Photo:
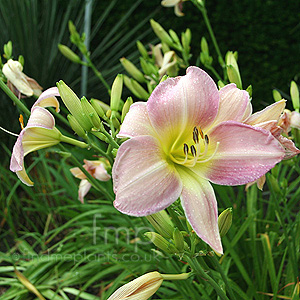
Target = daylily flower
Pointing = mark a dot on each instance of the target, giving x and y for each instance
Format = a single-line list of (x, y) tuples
[(141, 288), (187, 135), (177, 6), (97, 169), (39, 133), (18, 82)]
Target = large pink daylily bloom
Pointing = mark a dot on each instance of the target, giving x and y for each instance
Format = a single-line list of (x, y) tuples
[(187, 135), (97, 169), (40, 132)]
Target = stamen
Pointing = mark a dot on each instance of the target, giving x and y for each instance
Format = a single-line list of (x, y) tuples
[(21, 120), (185, 149), (196, 135), (193, 150), (206, 139), (209, 158)]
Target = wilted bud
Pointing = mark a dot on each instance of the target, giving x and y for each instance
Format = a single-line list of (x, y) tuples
[(8, 50), (295, 95), (161, 33), (225, 221), (73, 104), (126, 107), (178, 240), (91, 113), (76, 126), (68, 53), (276, 95), (162, 223), (116, 92), (161, 242), (142, 50), (132, 70), (233, 69), (141, 288)]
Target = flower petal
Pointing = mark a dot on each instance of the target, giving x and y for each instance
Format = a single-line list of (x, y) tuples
[(169, 3), (76, 172), (144, 182), (136, 121), (179, 104), (271, 112), (47, 98), (244, 154), (234, 104), (41, 117), (200, 205), (290, 148), (84, 187)]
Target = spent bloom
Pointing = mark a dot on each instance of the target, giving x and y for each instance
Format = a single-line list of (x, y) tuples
[(141, 288), (94, 167), (187, 135), (18, 82), (177, 6), (40, 132)]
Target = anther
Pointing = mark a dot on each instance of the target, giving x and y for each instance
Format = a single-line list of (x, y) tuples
[(201, 133), (21, 120), (185, 149), (193, 150), (206, 139), (196, 135)]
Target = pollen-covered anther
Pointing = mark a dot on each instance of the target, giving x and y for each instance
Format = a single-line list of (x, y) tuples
[(206, 139), (21, 120), (193, 151), (196, 135)]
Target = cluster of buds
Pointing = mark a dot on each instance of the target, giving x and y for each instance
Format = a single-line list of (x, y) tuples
[(161, 59), (171, 240)]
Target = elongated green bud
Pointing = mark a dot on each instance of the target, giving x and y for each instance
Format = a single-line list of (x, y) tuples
[(185, 41), (129, 84), (114, 119), (178, 239), (126, 107), (8, 50), (161, 33), (142, 50), (68, 53), (162, 223), (116, 92), (249, 90), (132, 70), (140, 90), (76, 126), (21, 60), (145, 66), (233, 69), (91, 113), (98, 108), (295, 95), (225, 221), (276, 95), (100, 136), (204, 46), (220, 84), (161, 242), (73, 104), (174, 36)]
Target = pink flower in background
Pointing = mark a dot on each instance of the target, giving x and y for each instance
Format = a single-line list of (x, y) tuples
[(97, 169), (40, 132), (187, 135)]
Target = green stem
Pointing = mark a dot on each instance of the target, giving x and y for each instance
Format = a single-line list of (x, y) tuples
[(211, 32), (211, 68), (97, 73), (225, 279), (74, 142), (110, 139), (15, 99), (197, 268), (103, 153)]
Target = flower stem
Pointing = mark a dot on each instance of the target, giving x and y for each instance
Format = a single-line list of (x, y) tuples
[(74, 142), (110, 139), (192, 261), (103, 153), (15, 99)]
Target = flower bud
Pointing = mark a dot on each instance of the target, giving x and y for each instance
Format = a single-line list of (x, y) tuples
[(276, 95), (233, 69), (295, 95), (114, 152), (145, 66), (116, 92), (126, 107), (135, 88), (178, 240), (73, 104), (100, 136), (114, 119), (7, 50), (174, 36), (162, 223), (249, 90), (100, 107), (142, 50), (132, 70), (161, 33), (91, 113), (295, 120), (68, 53), (21, 60), (141, 288), (161, 242), (74, 35), (185, 40), (76, 126), (225, 221)]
